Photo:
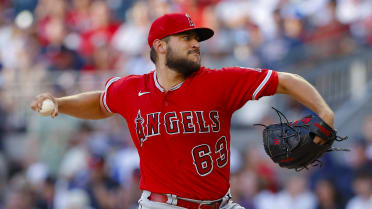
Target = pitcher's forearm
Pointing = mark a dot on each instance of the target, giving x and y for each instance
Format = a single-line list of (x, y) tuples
[(302, 91), (84, 105)]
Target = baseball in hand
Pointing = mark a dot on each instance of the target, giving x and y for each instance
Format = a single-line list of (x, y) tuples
[(47, 107)]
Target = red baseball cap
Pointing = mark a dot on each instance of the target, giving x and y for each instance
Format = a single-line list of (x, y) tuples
[(173, 23)]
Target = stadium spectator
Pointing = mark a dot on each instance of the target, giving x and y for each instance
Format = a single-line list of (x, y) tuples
[(328, 195), (362, 185)]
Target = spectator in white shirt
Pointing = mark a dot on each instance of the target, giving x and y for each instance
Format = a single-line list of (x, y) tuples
[(362, 186)]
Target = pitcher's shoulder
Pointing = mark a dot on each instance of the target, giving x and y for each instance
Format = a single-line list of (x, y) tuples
[(139, 78)]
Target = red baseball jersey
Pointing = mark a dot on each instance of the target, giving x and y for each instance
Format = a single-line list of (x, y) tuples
[(183, 135)]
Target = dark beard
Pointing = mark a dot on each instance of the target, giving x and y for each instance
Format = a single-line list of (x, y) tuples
[(181, 65)]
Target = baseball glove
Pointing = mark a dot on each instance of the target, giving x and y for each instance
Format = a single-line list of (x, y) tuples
[(290, 144)]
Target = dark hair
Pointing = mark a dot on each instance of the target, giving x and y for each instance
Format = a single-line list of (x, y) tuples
[(364, 173), (338, 196), (153, 54)]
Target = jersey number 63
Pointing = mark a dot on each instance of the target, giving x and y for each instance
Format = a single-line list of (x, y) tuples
[(203, 160)]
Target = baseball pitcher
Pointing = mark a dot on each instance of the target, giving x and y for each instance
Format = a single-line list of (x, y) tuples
[(179, 115)]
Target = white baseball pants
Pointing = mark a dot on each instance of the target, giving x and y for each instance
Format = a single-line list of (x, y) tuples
[(145, 203)]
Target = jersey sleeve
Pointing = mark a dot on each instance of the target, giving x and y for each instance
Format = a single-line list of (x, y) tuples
[(113, 97), (244, 84)]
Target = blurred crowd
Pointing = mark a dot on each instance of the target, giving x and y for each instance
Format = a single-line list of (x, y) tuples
[(68, 46), (87, 35)]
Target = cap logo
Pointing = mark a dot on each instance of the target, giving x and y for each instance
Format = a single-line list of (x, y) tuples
[(190, 20)]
